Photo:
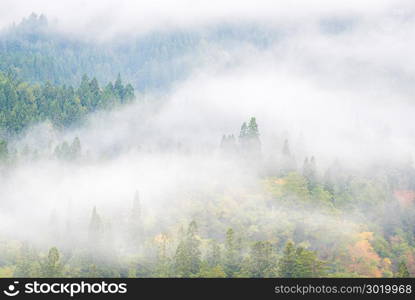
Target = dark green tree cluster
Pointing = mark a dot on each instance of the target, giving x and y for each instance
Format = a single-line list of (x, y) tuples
[(68, 152), (4, 151), (249, 137), (310, 171), (187, 259), (300, 262), (249, 144), (22, 104), (38, 53)]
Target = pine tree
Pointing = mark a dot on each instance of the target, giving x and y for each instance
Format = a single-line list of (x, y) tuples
[(75, 149), (286, 149), (263, 261), (307, 264), (193, 244), (135, 223), (119, 88), (52, 267), (163, 264), (84, 91), (310, 172), (95, 230), (288, 163), (27, 263), (232, 255), (244, 131), (213, 257), (300, 262), (252, 130), (287, 264), (249, 139), (4, 152), (187, 259), (95, 93), (402, 271)]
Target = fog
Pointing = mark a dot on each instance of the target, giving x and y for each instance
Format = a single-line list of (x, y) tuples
[(143, 16), (338, 84)]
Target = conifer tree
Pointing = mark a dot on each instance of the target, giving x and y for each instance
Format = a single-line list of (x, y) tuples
[(75, 149), (95, 229), (287, 264), (299, 262), (187, 259), (232, 256), (51, 267), (135, 223), (262, 260), (402, 270), (4, 152), (213, 257), (288, 162), (27, 263), (286, 149)]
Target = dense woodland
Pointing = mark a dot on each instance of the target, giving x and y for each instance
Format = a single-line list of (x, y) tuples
[(297, 219), (24, 104), (36, 51)]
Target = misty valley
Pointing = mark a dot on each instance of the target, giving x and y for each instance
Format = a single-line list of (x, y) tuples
[(226, 150)]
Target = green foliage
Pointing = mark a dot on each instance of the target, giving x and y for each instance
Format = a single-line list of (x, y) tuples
[(22, 104), (68, 152), (214, 256), (300, 262), (402, 271), (4, 152), (28, 263), (232, 256), (211, 272), (187, 259), (262, 260), (51, 266)]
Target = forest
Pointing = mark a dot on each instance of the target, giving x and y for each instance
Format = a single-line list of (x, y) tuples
[(114, 163)]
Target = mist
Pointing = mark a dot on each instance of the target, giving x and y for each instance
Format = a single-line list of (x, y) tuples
[(335, 81)]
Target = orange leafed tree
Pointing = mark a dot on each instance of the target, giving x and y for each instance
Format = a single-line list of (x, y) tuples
[(363, 258)]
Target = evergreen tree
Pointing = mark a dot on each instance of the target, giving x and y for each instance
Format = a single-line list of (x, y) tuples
[(95, 232), (23, 105), (187, 259), (75, 149), (300, 262), (119, 88), (95, 93), (232, 255), (262, 260), (65, 151), (286, 149), (310, 172), (163, 265), (135, 223), (27, 263), (213, 257), (287, 264), (4, 152), (252, 130), (402, 271), (52, 267), (288, 163), (249, 139), (244, 132)]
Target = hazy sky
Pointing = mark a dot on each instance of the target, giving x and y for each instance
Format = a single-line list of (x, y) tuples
[(109, 16)]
